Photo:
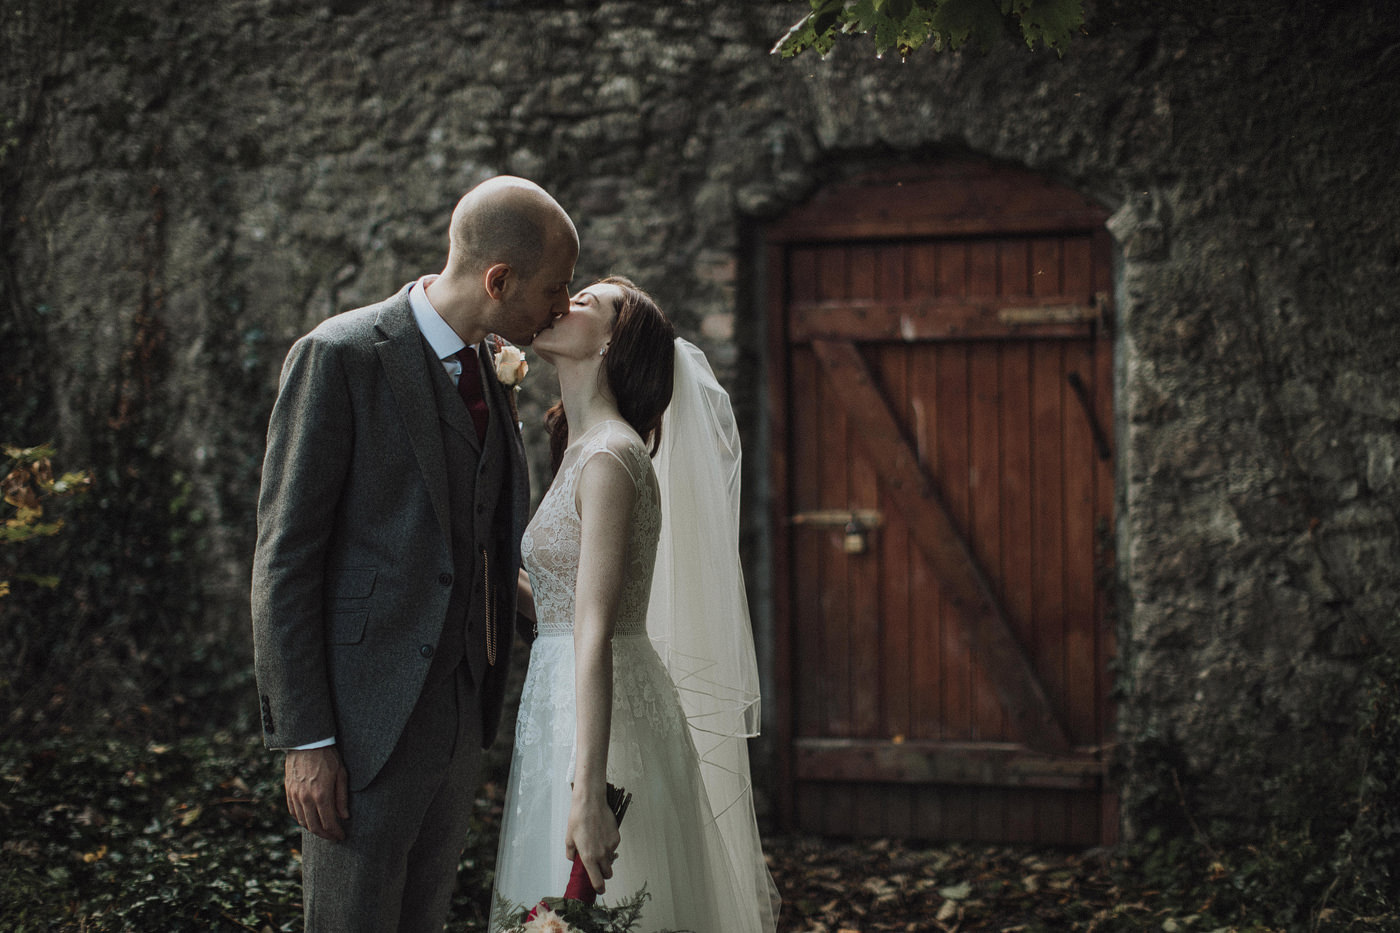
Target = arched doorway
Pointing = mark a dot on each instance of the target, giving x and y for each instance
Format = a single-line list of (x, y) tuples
[(941, 382)]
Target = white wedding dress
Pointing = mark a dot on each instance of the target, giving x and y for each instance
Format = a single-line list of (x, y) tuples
[(671, 841)]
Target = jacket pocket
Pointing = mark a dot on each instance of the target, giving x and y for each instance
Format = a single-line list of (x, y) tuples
[(347, 588), (348, 627)]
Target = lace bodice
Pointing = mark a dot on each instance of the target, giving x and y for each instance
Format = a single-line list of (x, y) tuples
[(550, 547)]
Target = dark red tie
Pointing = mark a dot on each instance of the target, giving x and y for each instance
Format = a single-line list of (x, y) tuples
[(469, 387)]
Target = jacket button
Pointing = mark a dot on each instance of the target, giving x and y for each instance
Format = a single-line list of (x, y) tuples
[(445, 579), (426, 651)]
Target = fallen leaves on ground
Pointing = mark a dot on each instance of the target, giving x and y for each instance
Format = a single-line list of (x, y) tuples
[(872, 886), (103, 834)]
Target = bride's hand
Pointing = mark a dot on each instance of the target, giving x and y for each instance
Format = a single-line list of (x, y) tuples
[(592, 838)]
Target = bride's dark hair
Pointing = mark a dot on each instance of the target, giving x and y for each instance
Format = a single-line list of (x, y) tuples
[(639, 366)]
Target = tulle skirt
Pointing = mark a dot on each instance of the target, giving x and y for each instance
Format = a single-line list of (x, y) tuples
[(671, 843)]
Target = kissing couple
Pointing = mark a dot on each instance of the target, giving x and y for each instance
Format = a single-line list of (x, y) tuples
[(396, 562)]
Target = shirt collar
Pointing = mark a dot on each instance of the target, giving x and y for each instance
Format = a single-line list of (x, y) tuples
[(440, 336)]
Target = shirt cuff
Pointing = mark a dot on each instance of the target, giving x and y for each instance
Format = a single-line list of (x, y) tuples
[(310, 745)]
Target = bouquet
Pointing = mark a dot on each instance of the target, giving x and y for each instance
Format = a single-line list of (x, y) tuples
[(569, 915), (577, 911), (579, 887)]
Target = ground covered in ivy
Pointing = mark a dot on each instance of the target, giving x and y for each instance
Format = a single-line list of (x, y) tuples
[(105, 835)]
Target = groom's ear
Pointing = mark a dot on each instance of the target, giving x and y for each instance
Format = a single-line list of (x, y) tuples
[(497, 279)]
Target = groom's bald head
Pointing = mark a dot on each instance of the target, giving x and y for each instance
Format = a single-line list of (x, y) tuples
[(507, 220)]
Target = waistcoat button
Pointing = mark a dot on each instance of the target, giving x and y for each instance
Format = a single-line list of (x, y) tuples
[(426, 651), (445, 579)]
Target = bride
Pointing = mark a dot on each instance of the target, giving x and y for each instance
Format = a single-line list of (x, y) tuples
[(643, 673)]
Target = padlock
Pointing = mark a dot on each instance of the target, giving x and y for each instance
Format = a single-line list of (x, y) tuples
[(856, 540)]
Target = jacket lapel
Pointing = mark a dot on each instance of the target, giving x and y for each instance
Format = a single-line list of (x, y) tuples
[(406, 368)]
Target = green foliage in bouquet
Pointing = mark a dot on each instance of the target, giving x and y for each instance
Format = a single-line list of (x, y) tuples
[(566, 915)]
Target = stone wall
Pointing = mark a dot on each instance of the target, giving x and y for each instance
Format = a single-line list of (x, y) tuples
[(188, 187)]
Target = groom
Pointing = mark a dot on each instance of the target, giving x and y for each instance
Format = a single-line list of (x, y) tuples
[(394, 494)]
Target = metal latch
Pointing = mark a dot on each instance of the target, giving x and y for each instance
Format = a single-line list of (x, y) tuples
[(855, 524)]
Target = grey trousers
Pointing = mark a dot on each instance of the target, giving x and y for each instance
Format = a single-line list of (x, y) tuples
[(396, 869)]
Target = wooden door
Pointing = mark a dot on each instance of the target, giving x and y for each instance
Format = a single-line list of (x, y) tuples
[(943, 470)]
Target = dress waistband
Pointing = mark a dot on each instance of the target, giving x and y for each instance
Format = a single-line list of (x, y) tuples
[(564, 631)]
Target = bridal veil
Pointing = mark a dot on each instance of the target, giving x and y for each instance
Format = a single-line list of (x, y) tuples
[(698, 617)]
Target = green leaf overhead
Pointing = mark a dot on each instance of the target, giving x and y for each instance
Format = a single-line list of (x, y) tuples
[(907, 25)]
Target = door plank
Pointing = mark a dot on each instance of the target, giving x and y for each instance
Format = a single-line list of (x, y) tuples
[(959, 640), (898, 647), (960, 803), (899, 586), (984, 513), (802, 277), (912, 491), (835, 607), (1048, 391), (925, 592), (808, 634), (831, 273), (1014, 269), (985, 470), (984, 504), (1081, 628), (867, 610), (951, 281), (933, 613), (890, 546)]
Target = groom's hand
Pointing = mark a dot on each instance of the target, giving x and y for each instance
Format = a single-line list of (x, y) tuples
[(318, 790)]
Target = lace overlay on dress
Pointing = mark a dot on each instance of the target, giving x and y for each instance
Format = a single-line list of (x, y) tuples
[(550, 547), (551, 551)]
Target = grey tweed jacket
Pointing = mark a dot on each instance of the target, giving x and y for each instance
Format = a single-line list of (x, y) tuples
[(387, 532)]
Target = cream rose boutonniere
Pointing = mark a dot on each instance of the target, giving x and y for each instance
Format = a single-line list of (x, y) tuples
[(510, 365)]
